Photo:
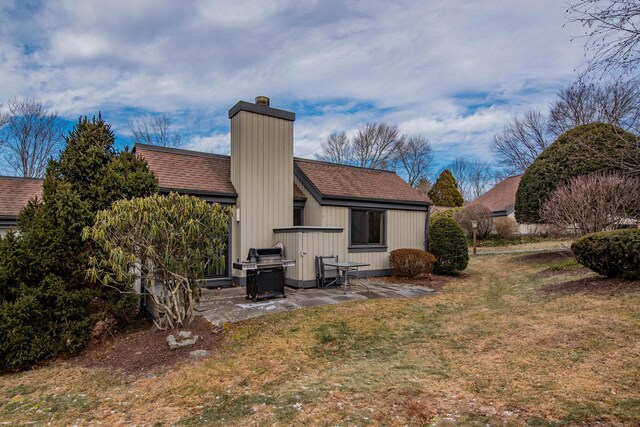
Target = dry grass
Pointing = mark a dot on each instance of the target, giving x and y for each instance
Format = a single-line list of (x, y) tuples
[(491, 348)]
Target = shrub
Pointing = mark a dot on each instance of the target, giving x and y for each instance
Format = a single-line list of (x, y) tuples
[(610, 253), (47, 305), (475, 212), (449, 245), (173, 234), (411, 262), (592, 203), (506, 227), (43, 321), (580, 151), (449, 213)]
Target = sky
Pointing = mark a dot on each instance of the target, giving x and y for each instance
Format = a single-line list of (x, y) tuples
[(455, 71)]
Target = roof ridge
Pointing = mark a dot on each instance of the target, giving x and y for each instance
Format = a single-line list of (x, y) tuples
[(20, 177), (322, 162), (183, 151)]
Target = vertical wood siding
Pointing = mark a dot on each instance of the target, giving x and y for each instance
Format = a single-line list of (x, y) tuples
[(404, 229), (312, 209), (262, 174)]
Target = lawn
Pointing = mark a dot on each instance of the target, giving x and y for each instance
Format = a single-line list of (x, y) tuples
[(512, 342)]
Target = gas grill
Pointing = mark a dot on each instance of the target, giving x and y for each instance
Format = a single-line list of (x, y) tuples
[(265, 272)]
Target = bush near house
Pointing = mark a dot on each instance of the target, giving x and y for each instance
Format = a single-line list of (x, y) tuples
[(506, 227), (449, 245), (610, 253), (172, 235), (475, 212), (580, 151), (47, 305), (411, 262)]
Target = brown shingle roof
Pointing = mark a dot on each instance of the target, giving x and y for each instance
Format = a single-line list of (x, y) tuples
[(360, 183), (185, 170), (194, 171), (502, 197), (297, 193), (16, 192)]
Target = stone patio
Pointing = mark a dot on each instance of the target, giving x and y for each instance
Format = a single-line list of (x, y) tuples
[(228, 305)]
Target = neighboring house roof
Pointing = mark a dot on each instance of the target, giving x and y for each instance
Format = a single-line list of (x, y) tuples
[(15, 193), (330, 183), (501, 199)]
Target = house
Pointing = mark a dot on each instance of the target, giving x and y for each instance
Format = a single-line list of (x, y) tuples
[(15, 193), (501, 199), (312, 207)]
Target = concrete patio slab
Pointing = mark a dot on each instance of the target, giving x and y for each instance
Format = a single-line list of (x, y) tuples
[(229, 305)]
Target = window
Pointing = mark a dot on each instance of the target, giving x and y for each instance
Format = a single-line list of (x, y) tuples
[(298, 217), (367, 227)]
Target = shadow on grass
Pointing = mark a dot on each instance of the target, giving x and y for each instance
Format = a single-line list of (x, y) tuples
[(546, 257), (593, 285)]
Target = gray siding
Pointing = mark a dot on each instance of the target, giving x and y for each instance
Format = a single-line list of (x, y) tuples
[(404, 229), (312, 209), (262, 173)]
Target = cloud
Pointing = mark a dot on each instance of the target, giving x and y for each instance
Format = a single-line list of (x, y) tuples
[(452, 69)]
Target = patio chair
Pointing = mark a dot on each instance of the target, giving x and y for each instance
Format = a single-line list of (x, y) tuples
[(326, 275)]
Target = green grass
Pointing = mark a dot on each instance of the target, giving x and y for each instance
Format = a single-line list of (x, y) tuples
[(565, 265), (490, 348)]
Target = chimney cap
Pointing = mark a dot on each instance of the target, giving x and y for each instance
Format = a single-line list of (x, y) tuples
[(262, 100), (265, 110)]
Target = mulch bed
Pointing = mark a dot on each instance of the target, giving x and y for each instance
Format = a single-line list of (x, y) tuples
[(593, 285), (566, 272), (143, 350)]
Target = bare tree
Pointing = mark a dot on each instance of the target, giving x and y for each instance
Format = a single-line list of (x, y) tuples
[(423, 185), (459, 168), (475, 212), (612, 32), (375, 145), (473, 176), (595, 202), (616, 102), (30, 135), (521, 141), (336, 149), (154, 130), (481, 176), (414, 155)]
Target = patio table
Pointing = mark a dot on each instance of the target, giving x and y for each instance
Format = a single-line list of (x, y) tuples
[(345, 268)]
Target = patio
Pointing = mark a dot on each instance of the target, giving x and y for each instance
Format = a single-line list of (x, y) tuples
[(228, 305)]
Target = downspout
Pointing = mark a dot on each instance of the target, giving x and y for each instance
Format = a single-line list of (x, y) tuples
[(426, 229)]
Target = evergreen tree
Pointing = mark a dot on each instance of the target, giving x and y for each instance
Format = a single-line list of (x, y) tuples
[(48, 306), (445, 191), (595, 147)]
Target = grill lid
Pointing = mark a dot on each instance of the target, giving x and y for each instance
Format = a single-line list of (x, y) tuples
[(262, 254)]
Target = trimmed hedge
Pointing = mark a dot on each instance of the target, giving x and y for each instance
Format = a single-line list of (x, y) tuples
[(610, 253), (565, 159), (449, 245), (411, 262)]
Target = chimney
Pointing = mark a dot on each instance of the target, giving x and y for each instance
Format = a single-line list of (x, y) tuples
[(261, 172), (262, 100)]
